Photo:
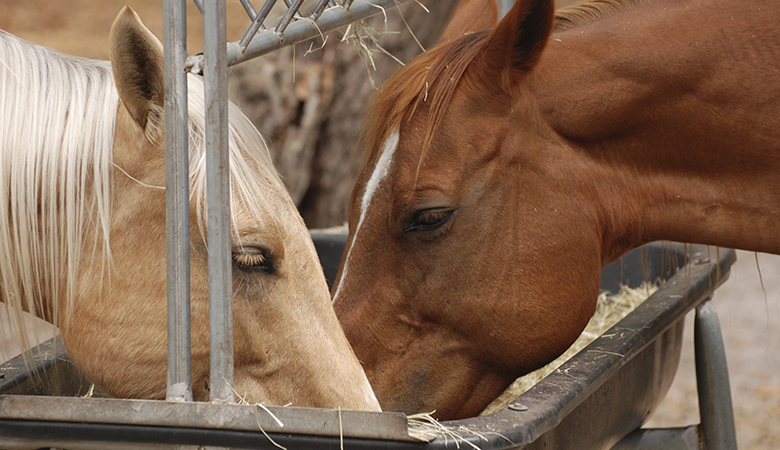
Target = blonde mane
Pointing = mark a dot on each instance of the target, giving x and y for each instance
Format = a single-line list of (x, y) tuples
[(57, 119), (251, 173), (56, 135)]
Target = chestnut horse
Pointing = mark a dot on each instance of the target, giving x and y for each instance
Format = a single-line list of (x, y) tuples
[(508, 165), (82, 232)]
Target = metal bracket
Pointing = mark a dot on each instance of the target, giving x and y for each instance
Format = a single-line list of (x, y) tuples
[(712, 381), (716, 430)]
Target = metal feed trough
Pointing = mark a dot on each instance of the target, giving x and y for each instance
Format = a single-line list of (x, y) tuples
[(597, 399), (602, 394)]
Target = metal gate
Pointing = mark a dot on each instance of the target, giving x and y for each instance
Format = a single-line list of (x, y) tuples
[(217, 55)]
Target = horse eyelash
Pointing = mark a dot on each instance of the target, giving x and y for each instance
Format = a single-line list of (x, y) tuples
[(252, 262)]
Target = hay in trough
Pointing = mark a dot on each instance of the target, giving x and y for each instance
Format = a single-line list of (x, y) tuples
[(609, 310), (426, 428)]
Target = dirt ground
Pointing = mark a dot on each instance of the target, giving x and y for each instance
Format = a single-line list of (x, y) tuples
[(749, 316)]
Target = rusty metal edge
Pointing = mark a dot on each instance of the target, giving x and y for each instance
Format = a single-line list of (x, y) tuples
[(288, 420)]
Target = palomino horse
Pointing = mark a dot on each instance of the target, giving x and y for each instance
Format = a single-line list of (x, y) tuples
[(510, 163), (83, 232)]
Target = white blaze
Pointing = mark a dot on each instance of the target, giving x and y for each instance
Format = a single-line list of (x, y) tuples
[(380, 172)]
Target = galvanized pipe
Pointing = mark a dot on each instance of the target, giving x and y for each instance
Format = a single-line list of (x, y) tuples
[(318, 9), (504, 6), (218, 201), (250, 10), (217, 56), (712, 381), (257, 23), (298, 31), (294, 7), (177, 201)]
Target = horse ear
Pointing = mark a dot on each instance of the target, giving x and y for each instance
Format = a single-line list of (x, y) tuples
[(471, 16), (137, 61), (518, 40)]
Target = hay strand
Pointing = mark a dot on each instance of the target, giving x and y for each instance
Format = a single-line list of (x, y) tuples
[(426, 428)]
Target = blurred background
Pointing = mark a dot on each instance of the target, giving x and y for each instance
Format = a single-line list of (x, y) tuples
[(306, 100), (308, 103)]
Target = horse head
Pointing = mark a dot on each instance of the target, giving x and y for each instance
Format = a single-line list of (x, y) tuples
[(510, 163), (288, 345), (444, 290)]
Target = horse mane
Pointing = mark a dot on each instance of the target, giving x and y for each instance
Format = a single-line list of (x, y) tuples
[(251, 172), (436, 73), (590, 10), (56, 135), (429, 80), (57, 121)]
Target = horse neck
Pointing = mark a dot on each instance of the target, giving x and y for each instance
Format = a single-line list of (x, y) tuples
[(673, 132)]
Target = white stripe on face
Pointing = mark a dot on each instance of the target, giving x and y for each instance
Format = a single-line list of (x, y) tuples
[(380, 172)]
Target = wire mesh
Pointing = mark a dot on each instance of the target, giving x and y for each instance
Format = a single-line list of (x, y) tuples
[(267, 32)]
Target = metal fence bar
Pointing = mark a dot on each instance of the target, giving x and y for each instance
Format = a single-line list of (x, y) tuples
[(177, 201), (218, 201), (315, 15), (712, 380), (213, 64), (504, 6), (289, 16), (300, 30), (257, 23), (250, 10)]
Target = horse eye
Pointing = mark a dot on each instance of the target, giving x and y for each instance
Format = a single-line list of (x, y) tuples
[(254, 259), (429, 220)]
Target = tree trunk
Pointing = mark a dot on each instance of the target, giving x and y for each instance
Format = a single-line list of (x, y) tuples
[(308, 102)]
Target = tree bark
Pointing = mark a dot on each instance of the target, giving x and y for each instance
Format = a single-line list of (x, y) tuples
[(308, 102)]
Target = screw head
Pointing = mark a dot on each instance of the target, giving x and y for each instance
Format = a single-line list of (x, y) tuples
[(517, 407)]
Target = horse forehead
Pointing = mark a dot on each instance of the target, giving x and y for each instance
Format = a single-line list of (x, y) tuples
[(380, 169)]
